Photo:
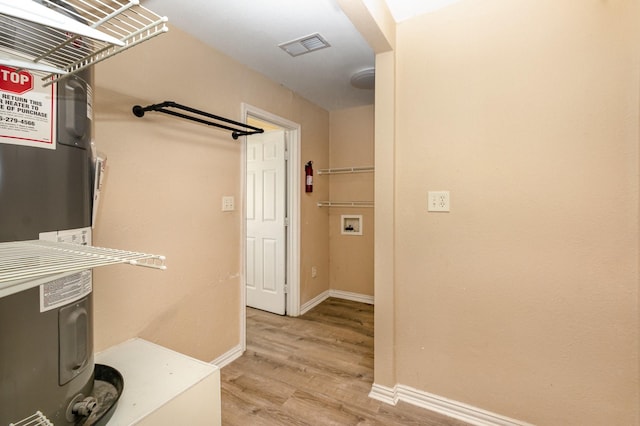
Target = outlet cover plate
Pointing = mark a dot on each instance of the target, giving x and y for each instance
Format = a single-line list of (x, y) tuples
[(228, 203), (439, 201)]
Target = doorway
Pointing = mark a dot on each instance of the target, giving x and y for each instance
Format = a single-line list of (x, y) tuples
[(271, 275)]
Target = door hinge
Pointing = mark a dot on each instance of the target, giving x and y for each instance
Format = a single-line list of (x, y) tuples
[(286, 289), (286, 221), (286, 155)]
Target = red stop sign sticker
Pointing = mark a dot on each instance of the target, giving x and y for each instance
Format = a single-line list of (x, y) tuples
[(15, 82)]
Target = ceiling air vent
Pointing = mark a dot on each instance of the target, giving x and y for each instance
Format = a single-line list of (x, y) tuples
[(304, 45)]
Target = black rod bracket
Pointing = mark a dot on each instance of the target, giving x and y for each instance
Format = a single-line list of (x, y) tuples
[(238, 129)]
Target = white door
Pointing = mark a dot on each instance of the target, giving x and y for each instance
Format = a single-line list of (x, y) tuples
[(266, 231)]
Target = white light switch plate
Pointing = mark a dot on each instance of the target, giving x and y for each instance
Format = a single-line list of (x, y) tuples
[(228, 204), (439, 201)]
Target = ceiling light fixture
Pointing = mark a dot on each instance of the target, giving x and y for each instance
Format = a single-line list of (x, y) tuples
[(365, 79), (304, 45)]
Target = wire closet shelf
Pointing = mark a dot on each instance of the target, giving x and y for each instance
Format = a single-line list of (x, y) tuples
[(346, 170), (25, 260), (364, 204), (36, 419), (62, 37)]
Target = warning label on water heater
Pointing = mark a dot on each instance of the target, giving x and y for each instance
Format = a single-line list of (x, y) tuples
[(65, 290), (27, 109)]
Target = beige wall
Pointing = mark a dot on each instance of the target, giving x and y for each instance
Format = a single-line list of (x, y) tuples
[(314, 244), (163, 191), (523, 300), (351, 145)]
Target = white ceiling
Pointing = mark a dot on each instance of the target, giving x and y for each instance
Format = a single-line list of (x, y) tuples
[(251, 30)]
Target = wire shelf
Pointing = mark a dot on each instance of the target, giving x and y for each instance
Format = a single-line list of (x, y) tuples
[(366, 204), (345, 170), (112, 26), (23, 260), (36, 419)]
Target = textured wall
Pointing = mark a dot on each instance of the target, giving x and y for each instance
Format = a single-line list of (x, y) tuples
[(523, 300)]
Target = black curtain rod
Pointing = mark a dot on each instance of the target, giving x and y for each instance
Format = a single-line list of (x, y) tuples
[(139, 111)]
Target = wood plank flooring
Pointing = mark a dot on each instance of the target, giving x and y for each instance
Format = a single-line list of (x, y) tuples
[(316, 369)]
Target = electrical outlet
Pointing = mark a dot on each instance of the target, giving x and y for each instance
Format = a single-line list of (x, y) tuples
[(438, 201), (314, 272), (228, 204)]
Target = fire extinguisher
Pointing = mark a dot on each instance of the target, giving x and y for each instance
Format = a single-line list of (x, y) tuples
[(308, 171)]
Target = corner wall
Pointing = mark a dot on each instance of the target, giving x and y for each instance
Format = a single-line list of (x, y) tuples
[(351, 145)]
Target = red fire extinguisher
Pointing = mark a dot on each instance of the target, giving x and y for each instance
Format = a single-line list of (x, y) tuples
[(308, 171)]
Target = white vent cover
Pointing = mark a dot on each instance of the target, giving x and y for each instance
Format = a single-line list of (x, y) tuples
[(304, 45)]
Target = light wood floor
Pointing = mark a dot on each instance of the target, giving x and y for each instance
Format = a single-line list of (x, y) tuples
[(316, 369)]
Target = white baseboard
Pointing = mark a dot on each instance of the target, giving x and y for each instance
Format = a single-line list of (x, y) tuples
[(338, 294), (228, 357), (354, 297), (455, 409), (314, 302), (384, 394)]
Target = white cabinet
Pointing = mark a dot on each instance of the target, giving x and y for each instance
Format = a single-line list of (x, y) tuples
[(163, 387)]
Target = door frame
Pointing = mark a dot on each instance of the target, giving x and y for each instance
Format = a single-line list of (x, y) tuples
[(292, 137)]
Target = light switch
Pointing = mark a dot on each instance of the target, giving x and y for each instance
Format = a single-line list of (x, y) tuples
[(228, 203), (438, 201)]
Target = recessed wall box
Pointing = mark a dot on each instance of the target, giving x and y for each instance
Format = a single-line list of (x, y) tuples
[(351, 224)]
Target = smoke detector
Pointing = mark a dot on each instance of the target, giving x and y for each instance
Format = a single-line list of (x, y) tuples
[(306, 44), (365, 79)]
